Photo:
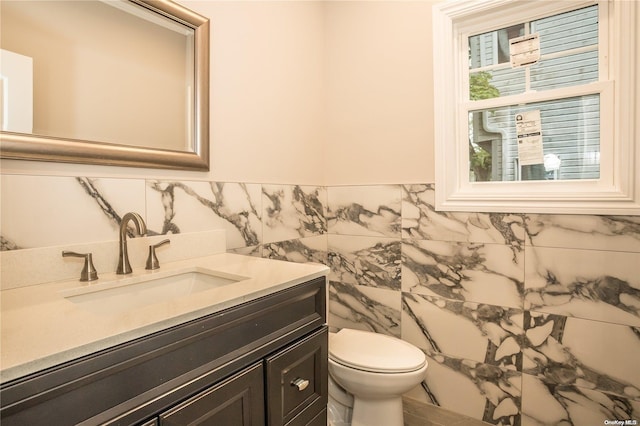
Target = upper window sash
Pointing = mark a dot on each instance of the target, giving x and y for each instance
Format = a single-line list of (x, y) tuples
[(519, 15)]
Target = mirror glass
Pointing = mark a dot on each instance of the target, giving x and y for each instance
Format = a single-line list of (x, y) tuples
[(104, 82)]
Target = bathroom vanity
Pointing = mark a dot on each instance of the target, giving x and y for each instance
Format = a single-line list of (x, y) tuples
[(257, 356)]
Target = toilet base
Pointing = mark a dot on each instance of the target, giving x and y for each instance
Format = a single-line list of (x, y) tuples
[(377, 412), (338, 414)]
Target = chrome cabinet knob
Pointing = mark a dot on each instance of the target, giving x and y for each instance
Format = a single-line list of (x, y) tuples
[(301, 384)]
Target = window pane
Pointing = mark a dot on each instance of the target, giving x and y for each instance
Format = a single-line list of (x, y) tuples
[(492, 48), (496, 83), (570, 30), (570, 141), (491, 75), (572, 70)]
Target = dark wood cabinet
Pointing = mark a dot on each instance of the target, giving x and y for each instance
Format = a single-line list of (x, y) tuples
[(237, 401), (296, 382), (219, 369)]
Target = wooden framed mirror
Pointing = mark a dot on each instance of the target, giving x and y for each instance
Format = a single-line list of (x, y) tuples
[(113, 82)]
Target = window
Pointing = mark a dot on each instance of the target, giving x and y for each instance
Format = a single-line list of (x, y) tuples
[(536, 106), (568, 50)]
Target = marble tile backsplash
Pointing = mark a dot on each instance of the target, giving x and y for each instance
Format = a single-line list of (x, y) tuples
[(174, 207), (68, 210), (526, 319), (41, 211)]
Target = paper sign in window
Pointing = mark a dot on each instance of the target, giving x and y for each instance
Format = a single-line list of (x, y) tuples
[(529, 137), (524, 50)]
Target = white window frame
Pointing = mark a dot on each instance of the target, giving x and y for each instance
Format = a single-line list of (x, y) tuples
[(618, 189)]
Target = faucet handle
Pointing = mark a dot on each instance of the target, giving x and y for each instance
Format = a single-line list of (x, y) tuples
[(89, 272), (152, 259)]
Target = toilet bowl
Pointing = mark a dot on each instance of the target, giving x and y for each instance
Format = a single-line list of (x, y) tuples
[(376, 370)]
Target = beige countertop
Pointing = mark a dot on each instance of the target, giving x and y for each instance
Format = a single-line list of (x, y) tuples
[(41, 328)]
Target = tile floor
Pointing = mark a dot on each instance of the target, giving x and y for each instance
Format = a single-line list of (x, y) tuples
[(417, 413)]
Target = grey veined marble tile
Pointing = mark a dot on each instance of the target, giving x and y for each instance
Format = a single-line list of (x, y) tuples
[(177, 207), (589, 354), (293, 211), (420, 220), (367, 261), (477, 390), (255, 251), (599, 285), (364, 308), (486, 273), (617, 233), (302, 250), (569, 405), (364, 210), (65, 210), (479, 332)]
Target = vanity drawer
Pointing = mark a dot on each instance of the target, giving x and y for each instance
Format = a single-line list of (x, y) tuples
[(296, 378), (238, 400)]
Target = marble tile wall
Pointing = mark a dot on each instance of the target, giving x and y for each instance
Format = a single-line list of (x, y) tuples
[(286, 222), (526, 319), (364, 250)]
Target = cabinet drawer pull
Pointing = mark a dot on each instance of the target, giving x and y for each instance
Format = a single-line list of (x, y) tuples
[(301, 384)]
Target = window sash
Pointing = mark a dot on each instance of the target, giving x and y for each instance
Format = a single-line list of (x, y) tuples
[(530, 97), (526, 18), (605, 90)]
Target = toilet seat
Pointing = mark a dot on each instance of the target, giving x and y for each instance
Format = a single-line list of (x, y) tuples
[(377, 353)]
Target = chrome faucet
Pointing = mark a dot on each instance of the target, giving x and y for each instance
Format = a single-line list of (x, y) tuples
[(123, 257)]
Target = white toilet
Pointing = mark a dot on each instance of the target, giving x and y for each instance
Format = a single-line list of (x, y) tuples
[(375, 370)]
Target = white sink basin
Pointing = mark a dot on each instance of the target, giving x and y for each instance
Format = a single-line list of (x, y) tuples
[(130, 293)]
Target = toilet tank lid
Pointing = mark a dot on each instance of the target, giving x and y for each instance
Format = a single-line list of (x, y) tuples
[(374, 352)]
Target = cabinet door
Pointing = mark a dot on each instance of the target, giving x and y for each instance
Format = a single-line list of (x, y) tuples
[(297, 388), (237, 401)]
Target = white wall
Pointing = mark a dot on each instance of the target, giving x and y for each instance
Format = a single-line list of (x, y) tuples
[(378, 61), (267, 81), (267, 122), (309, 92)]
